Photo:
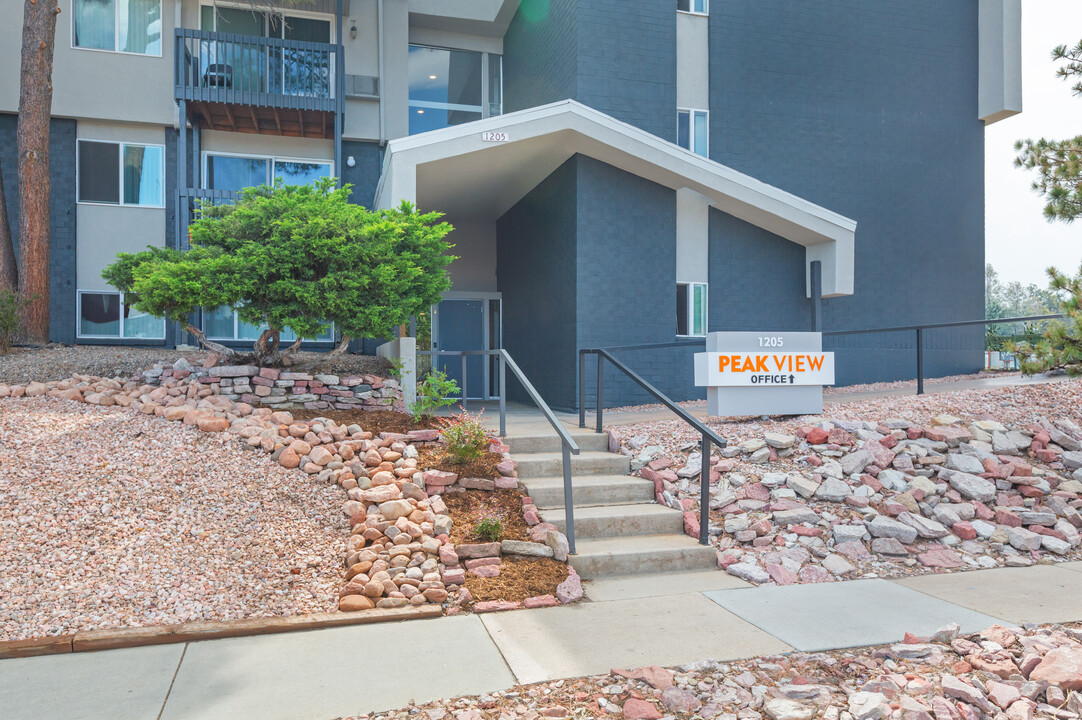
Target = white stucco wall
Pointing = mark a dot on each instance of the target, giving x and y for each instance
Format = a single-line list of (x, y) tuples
[(105, 230), (692, 236), (692, 61)]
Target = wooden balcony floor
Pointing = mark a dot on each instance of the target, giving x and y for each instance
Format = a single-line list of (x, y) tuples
[(262, 120)]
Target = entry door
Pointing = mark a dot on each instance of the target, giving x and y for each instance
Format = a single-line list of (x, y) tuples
[(461, 326)]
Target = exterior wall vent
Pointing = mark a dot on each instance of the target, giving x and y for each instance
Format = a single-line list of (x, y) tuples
[(362, 86)]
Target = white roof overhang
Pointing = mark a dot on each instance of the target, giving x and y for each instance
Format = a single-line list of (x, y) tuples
[(455, 170)]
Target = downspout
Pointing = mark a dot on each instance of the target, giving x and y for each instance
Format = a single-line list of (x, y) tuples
[(382, 89), (339, 91)]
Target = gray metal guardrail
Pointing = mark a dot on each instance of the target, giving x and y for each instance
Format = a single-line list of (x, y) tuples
[(708, 436), (919, 330), (568, 445)]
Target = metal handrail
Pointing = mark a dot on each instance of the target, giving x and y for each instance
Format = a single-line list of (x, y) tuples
[(708, 436), (568, 445), (919, 329)]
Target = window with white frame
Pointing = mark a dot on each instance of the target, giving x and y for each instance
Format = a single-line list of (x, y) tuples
[(126, 26), (699, 7), (691, 309), (223, 323), (117, 173), (223, 171), (693, 131), (107, 315)]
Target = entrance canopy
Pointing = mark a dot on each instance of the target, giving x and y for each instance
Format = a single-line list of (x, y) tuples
[(481, 169)]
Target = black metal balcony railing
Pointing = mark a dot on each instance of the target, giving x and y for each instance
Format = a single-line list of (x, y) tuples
[(188, 202), (247, 70)]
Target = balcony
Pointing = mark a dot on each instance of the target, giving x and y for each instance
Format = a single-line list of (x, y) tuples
[(249, 84)]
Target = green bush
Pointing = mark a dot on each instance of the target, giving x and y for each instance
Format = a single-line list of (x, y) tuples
[(1061, 347), (489, 529), (464, 437), (296, 258), (11, 310), (435, 392)]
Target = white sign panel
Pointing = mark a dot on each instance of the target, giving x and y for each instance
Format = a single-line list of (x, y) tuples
[(764, 369), (489, 136), (764, 373)]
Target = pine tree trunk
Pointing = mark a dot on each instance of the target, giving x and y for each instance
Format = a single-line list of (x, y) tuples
[(32, 139), (9, 274), (218, 348)]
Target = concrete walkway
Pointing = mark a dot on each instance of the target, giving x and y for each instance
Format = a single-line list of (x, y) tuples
[(663, 620)]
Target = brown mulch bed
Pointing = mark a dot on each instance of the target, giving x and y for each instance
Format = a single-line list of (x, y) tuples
[(432, 457), (519, 578), (469, 507), (374, 421)]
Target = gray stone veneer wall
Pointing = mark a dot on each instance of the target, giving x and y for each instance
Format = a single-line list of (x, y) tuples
[(62, 217), (870, 110)]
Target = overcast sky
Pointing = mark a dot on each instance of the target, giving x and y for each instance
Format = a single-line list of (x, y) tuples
[(1020, 243)]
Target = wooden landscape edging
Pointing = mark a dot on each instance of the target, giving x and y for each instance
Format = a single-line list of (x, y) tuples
[(114, 638)]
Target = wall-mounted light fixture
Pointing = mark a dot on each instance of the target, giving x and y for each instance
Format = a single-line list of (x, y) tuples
[(350, 161), (353, 31)]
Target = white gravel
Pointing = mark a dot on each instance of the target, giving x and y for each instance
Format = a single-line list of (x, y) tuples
[(113, 519)]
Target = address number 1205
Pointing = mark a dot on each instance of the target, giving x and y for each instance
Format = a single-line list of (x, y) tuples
[(771, 341)]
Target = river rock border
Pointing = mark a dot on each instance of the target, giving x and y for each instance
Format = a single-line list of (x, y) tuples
[(282, 389)]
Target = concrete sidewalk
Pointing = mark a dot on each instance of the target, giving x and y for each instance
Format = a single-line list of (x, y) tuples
[(626, 622)]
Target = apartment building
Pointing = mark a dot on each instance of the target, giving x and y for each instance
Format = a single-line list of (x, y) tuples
[(618, 172)]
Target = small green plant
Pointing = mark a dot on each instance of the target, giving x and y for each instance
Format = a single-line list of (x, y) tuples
[(12, 305), (396, 366), (432, 394), (489, 529), (464, 437)]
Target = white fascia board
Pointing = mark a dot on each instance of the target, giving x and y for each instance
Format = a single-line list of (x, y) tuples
[(1000, 60), (577, 128)]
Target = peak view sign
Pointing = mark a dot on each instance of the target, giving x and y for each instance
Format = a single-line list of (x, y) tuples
[(748, 373)]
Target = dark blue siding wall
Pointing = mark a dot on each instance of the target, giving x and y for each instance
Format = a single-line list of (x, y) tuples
[(757, 279), (617, 56), (627, 62), (364, 176), (61, 220), (869, 109), (626, 278), (540, 54), (535, 271)]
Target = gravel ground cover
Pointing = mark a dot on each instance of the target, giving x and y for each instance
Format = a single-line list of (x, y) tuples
[(886, 487), (56, 362), (109, 518), (1000, 673)]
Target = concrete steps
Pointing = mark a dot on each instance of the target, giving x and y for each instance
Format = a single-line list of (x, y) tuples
[(588, 462), (619, 529), (587, 442), (618, 520), (591, 490), (640, 555)]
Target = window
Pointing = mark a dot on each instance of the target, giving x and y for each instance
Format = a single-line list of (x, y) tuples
[(106, 315), (700, 7), (691, 309), (236, 172), (692, 131), (121, 173), (222, 323), (127, 26), (452, 87)]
